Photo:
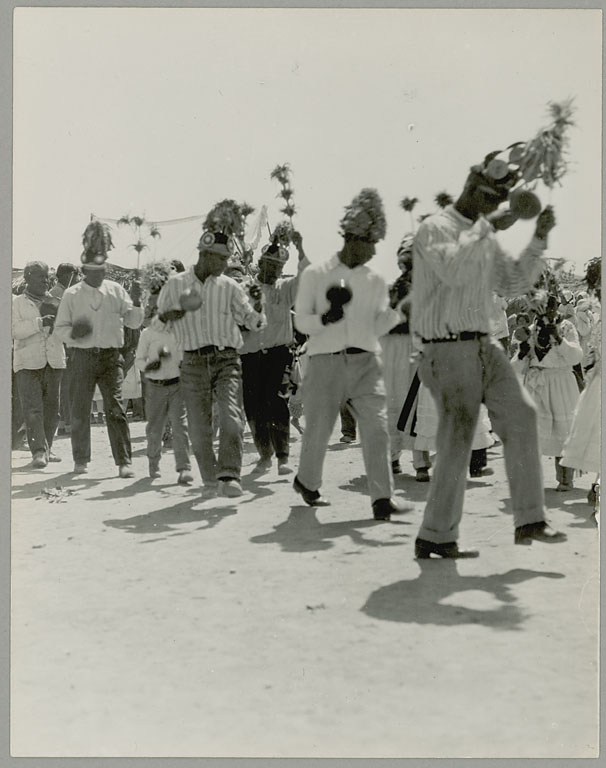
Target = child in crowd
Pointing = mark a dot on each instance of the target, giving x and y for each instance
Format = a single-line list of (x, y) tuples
[(158, 357)]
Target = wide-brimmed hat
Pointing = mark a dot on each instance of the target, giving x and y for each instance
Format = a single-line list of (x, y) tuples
[(217, 242)]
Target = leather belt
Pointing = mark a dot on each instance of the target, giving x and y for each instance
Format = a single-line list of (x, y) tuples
[(164, 382), (350, 351), (463, 336), (209, 348)]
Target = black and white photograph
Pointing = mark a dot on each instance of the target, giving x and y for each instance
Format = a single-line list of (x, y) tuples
[(305, 382)]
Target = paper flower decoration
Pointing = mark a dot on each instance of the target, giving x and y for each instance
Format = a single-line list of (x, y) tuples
[(544, 156), (226, 217), (283, 175), (97, 239), (364, 217), (154, 275)]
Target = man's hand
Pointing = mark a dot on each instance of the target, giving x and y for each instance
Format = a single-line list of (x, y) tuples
[(48, 321), (297, 241), (502, 220), (546, 221), (135, 293), (171, 314), (255, 293), (333, 315)]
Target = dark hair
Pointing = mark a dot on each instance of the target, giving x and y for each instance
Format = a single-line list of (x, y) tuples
[(177, 265), (35, 266), (65, 270), (593, 275)]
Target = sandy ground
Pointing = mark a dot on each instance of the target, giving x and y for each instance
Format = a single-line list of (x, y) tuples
[(149, 620)]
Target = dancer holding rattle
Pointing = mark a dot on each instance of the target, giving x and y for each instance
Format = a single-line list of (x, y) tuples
[(343, 305)]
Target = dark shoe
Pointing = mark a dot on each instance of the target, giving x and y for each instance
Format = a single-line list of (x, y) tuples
[(422, 475), (347, 439), (541, 531), (476, 472), (312, 498), (39, 460), (396, 468), (450, 550), (383, 509)]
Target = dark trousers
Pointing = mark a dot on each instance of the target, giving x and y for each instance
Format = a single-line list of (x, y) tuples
[(214, 376), (267, 413), (39, 396), (16, 414), (65, 394), (102, 367), (348, 420)]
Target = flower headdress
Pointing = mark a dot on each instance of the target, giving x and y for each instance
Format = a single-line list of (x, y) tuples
[(97, 241), (364, 217), (154, 274)]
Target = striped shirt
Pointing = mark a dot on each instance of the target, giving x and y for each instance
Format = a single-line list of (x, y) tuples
[(367, 316), (108, 309), (279, 300), (457, 264), (225, 306)]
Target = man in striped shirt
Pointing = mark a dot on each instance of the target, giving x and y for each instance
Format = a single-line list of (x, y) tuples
[(458, 263), (205, 310)]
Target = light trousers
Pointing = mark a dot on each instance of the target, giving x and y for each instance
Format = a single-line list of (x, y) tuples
[(461, 375), (329, 381), (206, 379), (165, 403)]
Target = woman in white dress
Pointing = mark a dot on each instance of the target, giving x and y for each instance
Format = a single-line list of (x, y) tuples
[(582, 447), (552, 351)]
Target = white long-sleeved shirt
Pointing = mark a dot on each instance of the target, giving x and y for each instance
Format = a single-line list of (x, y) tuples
[(108, 309), (278, 302), (366, 317), (457, 264), (225, 306), (151, 341), (34, 345)]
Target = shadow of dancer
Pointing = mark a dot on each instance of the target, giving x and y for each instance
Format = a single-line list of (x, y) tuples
[(303, 532), (420, 600), (164, 520)]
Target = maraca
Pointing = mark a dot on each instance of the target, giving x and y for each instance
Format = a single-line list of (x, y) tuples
[(154, 365), (81, 327), (190, 300), (339, 295), (524, 203)]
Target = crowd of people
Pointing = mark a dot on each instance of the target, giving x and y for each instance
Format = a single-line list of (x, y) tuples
[(468, 346)]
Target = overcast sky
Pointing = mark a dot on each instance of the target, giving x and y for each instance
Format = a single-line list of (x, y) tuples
[(164, 112)]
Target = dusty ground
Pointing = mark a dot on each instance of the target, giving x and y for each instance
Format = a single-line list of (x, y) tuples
[(148, 620)]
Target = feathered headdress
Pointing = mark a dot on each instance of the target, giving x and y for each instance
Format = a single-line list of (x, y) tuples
[(544, 156), (364, 217), (97, 241)]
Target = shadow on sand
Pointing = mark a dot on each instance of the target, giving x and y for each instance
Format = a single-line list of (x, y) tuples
[(420, 600), (302, 532), (167, 519)]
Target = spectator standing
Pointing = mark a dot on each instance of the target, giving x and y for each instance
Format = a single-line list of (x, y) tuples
[(38, 361)]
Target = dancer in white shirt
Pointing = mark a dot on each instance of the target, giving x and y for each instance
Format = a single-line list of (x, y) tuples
[(344, 355)]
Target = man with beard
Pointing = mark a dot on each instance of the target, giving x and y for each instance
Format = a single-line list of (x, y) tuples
[(266, 358)]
